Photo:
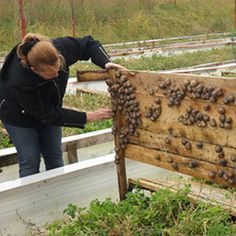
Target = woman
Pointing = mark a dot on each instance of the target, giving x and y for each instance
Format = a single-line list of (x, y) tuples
[(33, 81)]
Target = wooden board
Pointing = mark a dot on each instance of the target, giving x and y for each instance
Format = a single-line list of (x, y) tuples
[(157, 141), (179, 163), (211, 150), (8, 156), (92, 75)]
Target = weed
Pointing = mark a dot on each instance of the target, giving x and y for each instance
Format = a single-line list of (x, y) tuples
[(161, 213)]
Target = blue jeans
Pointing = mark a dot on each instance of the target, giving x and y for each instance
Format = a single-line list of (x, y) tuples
[(30, 143)]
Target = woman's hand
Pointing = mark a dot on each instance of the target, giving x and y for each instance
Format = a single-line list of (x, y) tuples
[(111, 65), (101, 114)]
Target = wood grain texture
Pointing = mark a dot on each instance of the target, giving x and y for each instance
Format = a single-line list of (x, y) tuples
[(211, 150), (205, 170), (206, 153), (92, 75)]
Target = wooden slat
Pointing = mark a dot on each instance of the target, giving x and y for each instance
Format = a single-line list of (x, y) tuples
[(93, 75), (169, 120), (170, 114), (206, 153), (180, 164), (162, 48), (8, 156), (198, 191), (223, 137), (145, 81)]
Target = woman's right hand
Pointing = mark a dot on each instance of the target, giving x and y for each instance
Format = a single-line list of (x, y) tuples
[(101, 114)]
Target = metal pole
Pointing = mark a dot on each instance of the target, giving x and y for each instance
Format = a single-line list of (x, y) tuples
[(22, 18)]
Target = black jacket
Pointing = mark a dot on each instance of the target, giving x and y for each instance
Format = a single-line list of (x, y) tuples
[(27, 100)]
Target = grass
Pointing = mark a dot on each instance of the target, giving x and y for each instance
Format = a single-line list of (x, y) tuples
[(162, 213), (117, 20), (156, 63)]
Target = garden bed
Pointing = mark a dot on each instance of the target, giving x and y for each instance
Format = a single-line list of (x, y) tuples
[(145, 213)]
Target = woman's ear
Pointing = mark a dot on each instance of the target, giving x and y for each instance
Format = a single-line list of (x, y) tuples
[(32, 68)]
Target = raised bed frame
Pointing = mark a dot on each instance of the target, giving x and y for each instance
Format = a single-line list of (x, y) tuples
[(183, 123)]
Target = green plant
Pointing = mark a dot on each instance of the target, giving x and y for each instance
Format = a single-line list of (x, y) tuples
[(161, 213), (116, 20)]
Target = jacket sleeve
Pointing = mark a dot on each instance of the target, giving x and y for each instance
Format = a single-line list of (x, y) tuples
[(74, 49), (46, 113)]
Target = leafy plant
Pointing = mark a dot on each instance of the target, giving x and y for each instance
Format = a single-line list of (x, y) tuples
[(160, 213)]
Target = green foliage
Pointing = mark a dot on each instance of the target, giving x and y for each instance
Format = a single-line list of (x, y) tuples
[(99, 125), (156, 62), (87, 101), (161, 213)]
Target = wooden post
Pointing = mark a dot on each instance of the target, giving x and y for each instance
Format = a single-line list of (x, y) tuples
[(235, 14), (22, 18), (120, 157), (72, 153), (73, 22)]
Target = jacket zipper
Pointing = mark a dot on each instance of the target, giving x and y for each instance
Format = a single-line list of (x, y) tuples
[(103, 51), (58, 92), (2, 103)]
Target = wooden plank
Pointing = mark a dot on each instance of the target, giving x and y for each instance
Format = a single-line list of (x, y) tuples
[(151, 81), (169, 119), (92, 75), (185, 165), (172, 47), (203, 36), (146, 83), (198, 150), (119, 158), (8, 156), (221, 137), (198, 191)]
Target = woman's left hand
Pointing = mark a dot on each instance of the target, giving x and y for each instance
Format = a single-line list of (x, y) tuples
[(111, 65)]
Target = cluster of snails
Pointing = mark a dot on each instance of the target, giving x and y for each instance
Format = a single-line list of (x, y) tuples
[(192, 89), (220, 153), (124, 100), (196, 90), (154, 111), (226, 176), (225, 121), (175, 94), (193, 116)]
